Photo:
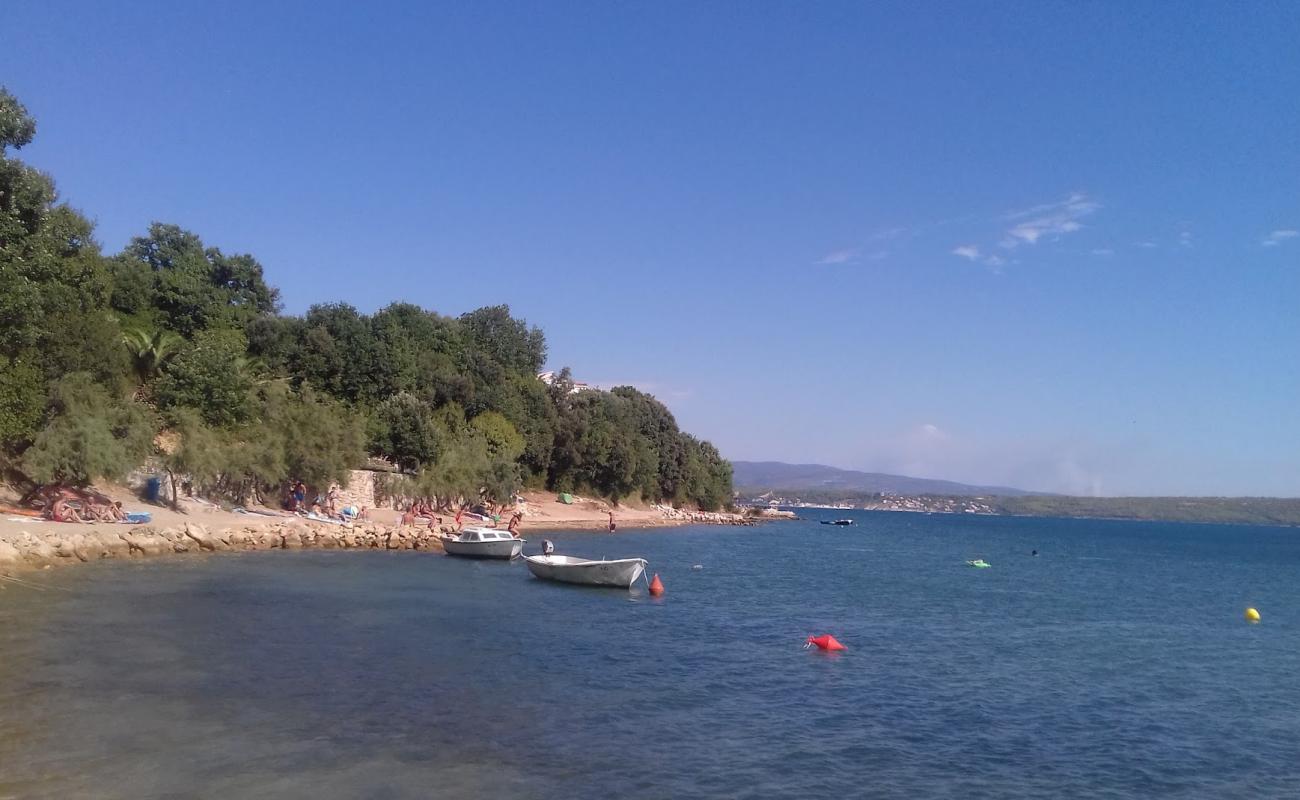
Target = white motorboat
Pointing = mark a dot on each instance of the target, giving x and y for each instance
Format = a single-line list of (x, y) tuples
[(622, 572), (483, 543)]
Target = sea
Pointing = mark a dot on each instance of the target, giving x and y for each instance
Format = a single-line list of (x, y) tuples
[(1115, 663)]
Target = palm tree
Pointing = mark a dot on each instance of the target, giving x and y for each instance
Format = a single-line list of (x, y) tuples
[(148, 351)]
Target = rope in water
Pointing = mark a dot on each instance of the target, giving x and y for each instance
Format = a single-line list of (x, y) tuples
[(31, 585)]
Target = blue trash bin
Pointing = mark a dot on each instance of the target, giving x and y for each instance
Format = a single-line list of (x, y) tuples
[(153, 489)]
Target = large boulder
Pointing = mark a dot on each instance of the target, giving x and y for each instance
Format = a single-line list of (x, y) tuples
[(96, 544), (145, 541), (10, 557), (200, 536)]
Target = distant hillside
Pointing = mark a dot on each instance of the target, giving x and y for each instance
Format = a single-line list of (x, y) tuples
[(760, 476)]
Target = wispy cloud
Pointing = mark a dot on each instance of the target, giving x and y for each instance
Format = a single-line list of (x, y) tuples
[(972, 253), (1185, 239), (1278, 237), (1048, 220), (840, 256), (1103, 251), (1148, 244)]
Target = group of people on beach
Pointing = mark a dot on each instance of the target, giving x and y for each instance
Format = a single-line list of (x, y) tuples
[(326, 505), (90, 512), (421, 510)]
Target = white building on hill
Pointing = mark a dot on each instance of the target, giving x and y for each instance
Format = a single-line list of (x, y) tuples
[(548, 378)]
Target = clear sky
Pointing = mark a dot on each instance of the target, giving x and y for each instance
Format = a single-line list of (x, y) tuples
[(1051, 245)]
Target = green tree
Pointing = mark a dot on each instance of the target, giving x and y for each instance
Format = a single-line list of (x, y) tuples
[(210, 375), (89, 436), (499, 436), (193, 288), (337, 352), (22, 402), (506, 340), (406, 430)]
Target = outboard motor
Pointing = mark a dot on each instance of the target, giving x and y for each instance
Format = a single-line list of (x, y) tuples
[(548, 547)]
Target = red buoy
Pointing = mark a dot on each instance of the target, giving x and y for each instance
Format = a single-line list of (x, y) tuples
[(826, 642), (656, 586)]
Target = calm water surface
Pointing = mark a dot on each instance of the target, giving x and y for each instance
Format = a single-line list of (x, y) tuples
[(1115, 664)]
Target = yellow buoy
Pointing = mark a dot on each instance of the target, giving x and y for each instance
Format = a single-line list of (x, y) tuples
[(1252, 615)]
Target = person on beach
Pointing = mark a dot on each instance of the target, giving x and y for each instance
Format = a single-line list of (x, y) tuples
[(332, 500), (460, 517), (299, 497), (613, 526), (408, 517), (107, 512), (63, 511)]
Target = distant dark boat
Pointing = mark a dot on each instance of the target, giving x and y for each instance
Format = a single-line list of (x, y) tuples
[(837, 522)]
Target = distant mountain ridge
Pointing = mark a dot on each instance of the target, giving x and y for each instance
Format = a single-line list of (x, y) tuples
[(761, 476)]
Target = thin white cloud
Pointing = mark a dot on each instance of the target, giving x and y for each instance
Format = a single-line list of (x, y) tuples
[(1185, 239), (1278, 237), (968, 251), (995, 261), (932, 433), (1048, 220), (840, 256), (1103, 251), (1147, 244)]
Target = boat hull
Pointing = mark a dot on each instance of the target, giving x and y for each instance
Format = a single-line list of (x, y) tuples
[(566, 569), (504, 549)]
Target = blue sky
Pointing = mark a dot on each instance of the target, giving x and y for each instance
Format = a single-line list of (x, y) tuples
[(1041, 244)]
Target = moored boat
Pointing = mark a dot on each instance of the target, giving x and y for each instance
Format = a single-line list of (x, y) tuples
[(837, 522), (483, 543), (621, 572)]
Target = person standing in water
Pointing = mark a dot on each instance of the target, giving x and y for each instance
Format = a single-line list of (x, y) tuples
[(613, 526)]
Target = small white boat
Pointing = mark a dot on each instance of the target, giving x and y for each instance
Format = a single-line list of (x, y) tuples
[(483, 543), (622, 572)]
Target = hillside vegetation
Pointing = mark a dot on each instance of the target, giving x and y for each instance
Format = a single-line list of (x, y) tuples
[(100, 353)]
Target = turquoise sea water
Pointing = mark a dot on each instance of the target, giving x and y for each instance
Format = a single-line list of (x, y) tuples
[(1115, 664)]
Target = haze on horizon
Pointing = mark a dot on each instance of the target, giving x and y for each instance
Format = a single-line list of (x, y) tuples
[(1039, 245)]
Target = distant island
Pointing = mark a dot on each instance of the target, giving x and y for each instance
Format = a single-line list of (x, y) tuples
[(775, 483), (766, 475)]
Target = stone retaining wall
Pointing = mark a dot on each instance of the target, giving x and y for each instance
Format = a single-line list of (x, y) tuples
[(70, 545)]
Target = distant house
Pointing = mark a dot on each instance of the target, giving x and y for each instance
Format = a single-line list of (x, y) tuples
[(548, 378)]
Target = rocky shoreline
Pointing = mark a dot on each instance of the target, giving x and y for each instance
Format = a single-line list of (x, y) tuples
[(49, 548), (59, 545)]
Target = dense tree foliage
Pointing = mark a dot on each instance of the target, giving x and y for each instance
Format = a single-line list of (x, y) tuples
[(173, 336)]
